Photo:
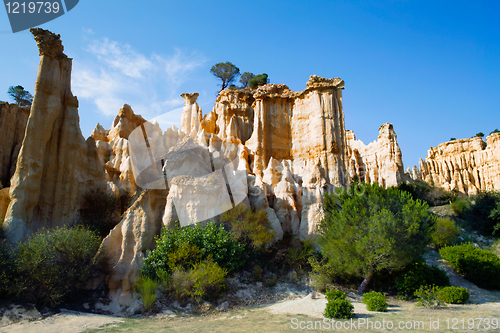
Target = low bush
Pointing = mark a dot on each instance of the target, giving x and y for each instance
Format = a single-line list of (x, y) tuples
[(208, 280), (180, 285), (333, 294), (7, 270), (459, 206), (338, 307), (480, 214), (55, 265), (322, 274), (454, 295), (211, 240), (429, 297), (147, 289), (375, 301), (434, 196), (445, 232), (416, 275), (249, 226), (478, 266)]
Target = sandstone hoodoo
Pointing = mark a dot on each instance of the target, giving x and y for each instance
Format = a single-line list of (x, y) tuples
[(55, 164), (464, 165)]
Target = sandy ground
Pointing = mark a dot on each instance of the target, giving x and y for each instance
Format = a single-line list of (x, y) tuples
[(66, 321)]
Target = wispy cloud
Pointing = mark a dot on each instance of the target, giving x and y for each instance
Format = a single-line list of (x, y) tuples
[(113, 73)]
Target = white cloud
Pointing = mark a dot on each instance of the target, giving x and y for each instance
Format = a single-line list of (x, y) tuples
[(111, 74)]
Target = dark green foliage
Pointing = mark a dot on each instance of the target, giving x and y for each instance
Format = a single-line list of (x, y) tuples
[(338, 306), (454, 295), (445, 232), (211, 240), (292, 254), (7, 269), (459, 206), (419, 274), (225, 71), (20, 96), (333, 294), (374, 229), (495, 131), (99, 211), (375, 301), (54, 265), (453, 139), (245, 78), (434, 196), (480, 134), (249, 226), (482, 213), (429, 297), (258, 80), (322, 274), (478, 266)]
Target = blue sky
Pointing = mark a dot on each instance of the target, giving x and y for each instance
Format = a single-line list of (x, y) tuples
[(432, 68)]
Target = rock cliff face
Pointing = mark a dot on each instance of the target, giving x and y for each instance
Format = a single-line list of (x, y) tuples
[(380, 161), (13, 120), (465, 165), (55, 164)]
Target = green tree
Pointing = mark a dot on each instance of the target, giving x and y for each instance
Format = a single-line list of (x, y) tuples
[(480, 134), (258, 80), (453, 139), (495, 131), (225, 71), (21, 96), (245, 78), (369, 228)]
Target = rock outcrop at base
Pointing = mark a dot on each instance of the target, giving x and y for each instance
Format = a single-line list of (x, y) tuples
[(464, 165), (55, 164)]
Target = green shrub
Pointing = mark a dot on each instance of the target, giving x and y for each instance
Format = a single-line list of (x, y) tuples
[(434, 196), (418, 274), (339, 309), (7, 270), (249, 226), (454, 295), (429, 297), (478, 266), (480, 214), (322, 274), (333, 294), (445, 232), (211, 240), (98, 210), (459, 206), (147, 288), (181, 284), (54, 265), (185, 256), (375, 301), (258, 80), (209, 280)]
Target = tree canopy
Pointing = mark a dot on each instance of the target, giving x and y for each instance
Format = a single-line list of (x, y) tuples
[(369, 228), (225, 71), (20, 96), (258, 80), (245, 78)]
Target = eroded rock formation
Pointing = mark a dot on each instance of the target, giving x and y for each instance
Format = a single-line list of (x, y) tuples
[(55, 164), (464, 165), (380, 161)]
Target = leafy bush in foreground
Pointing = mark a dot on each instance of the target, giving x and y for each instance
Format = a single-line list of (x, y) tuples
[(478, 266), (338, 306), (454, 295), (54, 265), (147, 288), (211, 241), (419, 274), (429, 297), (375, 301)]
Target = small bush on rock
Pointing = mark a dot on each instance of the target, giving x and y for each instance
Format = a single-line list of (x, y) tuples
[(147, 288), (375, 301), (454, 295), (209, 280)]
